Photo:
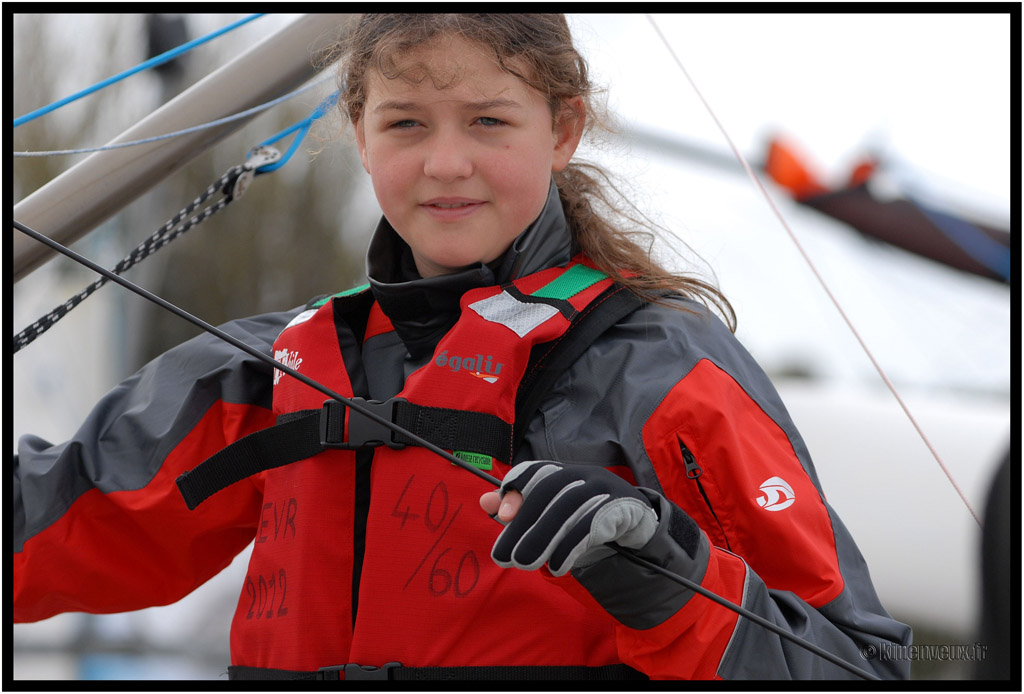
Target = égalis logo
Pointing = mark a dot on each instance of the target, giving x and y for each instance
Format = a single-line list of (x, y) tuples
[(482, 367)]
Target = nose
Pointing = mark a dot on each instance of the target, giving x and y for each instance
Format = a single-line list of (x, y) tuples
[(448, 157)]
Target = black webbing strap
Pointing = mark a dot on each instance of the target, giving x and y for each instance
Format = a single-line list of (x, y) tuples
[(294, 438), (394, 671), (455, 430), (301, 435)]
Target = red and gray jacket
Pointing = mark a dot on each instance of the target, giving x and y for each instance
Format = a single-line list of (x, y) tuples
[(381, 555)]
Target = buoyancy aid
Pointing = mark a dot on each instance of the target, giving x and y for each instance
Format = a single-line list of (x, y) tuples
[(382, 555)]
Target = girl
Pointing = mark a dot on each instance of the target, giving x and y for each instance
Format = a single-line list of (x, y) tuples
[(505, 319)]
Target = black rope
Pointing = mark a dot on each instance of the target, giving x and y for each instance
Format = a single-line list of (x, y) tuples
[(255, 353), (160, 238), (627, 554)]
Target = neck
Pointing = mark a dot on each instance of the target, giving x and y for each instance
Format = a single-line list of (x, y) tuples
[(424, 309)]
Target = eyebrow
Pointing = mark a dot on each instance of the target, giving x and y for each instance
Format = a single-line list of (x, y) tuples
[(470, 106)]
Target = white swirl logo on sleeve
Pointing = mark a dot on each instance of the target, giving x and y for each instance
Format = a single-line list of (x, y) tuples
[(776, 495)]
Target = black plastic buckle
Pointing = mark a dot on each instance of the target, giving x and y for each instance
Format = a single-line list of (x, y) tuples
[(363, 432), (359, 672)]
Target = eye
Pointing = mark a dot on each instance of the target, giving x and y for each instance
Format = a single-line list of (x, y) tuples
[(489, 122), (403, 124)]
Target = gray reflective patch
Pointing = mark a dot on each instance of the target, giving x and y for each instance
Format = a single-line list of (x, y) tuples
[(301, 318), (516, 315)]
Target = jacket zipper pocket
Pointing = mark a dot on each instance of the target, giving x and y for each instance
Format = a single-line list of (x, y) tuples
[(693, 472)]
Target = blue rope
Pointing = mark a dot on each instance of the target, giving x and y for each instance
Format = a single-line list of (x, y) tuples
[(186, 131), (152, 62), (302, 127)]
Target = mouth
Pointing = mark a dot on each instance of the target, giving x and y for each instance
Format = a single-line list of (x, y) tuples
[(451, 208)]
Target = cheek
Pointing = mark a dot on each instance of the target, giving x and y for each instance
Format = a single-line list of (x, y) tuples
[(522, 166), (389, 178), (525, 180)]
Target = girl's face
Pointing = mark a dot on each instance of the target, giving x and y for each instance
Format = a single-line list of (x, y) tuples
[(460, 172)]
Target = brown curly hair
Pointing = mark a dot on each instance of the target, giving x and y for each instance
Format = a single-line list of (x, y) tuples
[(606, 227)]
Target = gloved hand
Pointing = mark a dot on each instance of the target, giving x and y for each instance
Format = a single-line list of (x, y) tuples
[(570, 512), (568, 515)]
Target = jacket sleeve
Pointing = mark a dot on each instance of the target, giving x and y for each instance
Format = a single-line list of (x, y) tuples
[(99, 524), (698, 421), (777, 548)]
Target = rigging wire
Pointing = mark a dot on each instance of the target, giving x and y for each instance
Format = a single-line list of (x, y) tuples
[(252, 351), (814, 270), (468, 467), (152, 62), (186, 131)]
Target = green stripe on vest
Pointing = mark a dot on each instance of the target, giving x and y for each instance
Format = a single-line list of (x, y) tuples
[(347, 292), (570, 283)]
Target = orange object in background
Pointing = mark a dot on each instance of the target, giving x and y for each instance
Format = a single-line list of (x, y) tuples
[(786, 169)]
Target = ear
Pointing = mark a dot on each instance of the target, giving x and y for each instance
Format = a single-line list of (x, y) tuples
[(361, 144), (568, 130)]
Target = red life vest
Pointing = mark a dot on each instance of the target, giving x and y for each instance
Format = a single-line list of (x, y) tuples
[(428, 593)]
